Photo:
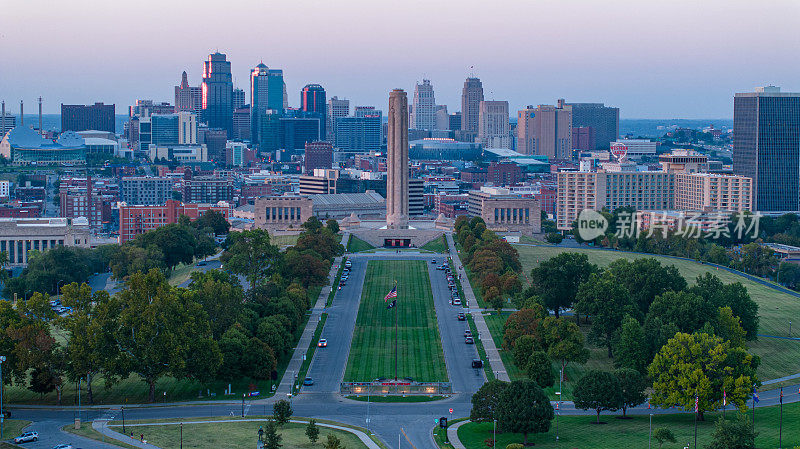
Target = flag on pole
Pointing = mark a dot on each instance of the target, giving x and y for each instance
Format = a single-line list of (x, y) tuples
[(392, 304), (781, 395), (392, 293), (696, 404), (724, 398), (755, 396)]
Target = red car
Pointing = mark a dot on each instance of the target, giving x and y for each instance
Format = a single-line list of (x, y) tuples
[(323, 343)]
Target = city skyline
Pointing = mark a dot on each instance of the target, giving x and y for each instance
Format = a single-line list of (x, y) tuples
[(650, 61)]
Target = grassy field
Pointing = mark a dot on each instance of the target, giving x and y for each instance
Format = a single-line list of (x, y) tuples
[(284, 240), (778, 357), (436, 245), (235, 435), (13, 427), (87, 431), (420, 349), (182, 273), (580, 432), (355, 245)]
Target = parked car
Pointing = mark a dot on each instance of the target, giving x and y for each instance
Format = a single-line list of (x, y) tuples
[(469, 340), (462, 317), (308, 381), (467, 333), (433, 261), (202, 263), (323, 343), (27, 437), (62, 446), (457, 302), (477, 363)]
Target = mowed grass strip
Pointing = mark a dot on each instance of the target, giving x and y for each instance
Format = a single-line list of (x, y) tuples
[(775, 308), (420, 354)]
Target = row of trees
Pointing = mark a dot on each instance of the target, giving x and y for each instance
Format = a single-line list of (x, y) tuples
[(493, 261), (162, 249), (211, 330)]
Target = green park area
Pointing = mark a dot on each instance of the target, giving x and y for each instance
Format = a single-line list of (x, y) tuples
[(775, 308), (222, 435), (437, 245), (372, 353), (355, 244), (581, 432)]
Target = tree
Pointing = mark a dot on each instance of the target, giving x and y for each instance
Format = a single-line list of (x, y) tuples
[(733, 434), (564, 342), (214, 221), (312, 430), (728, 326), (598, 391), (701, 366), (158, 333), (250, 254), (332, 226), (630, 348), (539, 369), (177, 242), (554, 237), (272, 439), (646, 278), (524, 408), (523, 322), (556, 280), (485, 401), (662, 434), (220, 295), (788, 274), (333, 442), (524, 346), (733, 295), (607, 301), (282, 411), (312, 225), (307, 268), (632, 385), (686, 310)]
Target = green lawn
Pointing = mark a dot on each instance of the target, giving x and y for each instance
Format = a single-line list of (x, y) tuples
[(355, 245), (235, 435), (437, 245), (13, 427), (580, 432), (778, 357), (372, 352), (284, 240), (182, 273)]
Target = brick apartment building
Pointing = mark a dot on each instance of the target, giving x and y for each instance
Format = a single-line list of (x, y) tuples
[(135, 220)]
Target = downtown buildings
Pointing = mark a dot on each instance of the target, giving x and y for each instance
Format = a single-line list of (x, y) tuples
[(471, 98), (423, 109), (78, 117), (217, 93), (766, 147)]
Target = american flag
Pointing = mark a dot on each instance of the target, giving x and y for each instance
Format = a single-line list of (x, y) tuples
[(391, 294), (696, 404), (724, 398)]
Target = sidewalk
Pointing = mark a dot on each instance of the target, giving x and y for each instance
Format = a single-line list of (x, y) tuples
[(495, 362), (288, 379), (452, 434)]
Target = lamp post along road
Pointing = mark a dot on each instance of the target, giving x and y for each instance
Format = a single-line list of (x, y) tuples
[(2, 416)]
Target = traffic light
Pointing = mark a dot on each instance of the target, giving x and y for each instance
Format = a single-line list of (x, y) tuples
[(443, 422)]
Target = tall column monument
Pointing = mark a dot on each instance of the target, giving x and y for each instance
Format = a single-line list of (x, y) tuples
[(397, 161)]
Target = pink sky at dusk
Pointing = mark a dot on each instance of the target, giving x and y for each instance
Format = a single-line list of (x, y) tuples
[(653, 59)]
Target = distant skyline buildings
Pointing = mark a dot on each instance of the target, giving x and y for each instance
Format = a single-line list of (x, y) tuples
[(471, 97), (188, 98), (493, 124), (423, 109), (313, 102), (267, 93), (217, 91)]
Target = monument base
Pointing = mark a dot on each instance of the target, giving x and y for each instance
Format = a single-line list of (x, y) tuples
[(397, 238)]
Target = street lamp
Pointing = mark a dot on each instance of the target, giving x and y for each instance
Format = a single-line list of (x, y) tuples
[(650, 435), (181, 435), (2, 416), (260, 437)]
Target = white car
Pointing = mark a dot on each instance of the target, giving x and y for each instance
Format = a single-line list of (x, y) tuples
[(62, 446), (26, 437)]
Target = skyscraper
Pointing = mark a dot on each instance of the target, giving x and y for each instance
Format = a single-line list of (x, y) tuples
[(313, 103), (238, 98), (545, 130), (267, 92), (766, 146), (493, 127), (471, 97), (603, 121), (217, 91), (188, 98), (337, 108), (423, 112)]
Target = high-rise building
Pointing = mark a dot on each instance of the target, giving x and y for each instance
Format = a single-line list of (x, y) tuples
[(359, 133), (267, 92), (545, 130), (295, 132), (766, 146), (141, 190), (179, 128), (188, 98), (7, 121), (471, 97), (314, 104), (442, 118), (423, 111), (493, 124), (318, 155), (217, 91), (241, 123), (238, 98), (78, 117), (455, 121), (603, 121), (336, 108)]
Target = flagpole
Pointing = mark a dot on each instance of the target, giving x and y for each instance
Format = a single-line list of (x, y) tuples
[(395, 343), (696, 411), (780, 425)]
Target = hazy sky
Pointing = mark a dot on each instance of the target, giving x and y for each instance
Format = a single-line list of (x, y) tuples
[(653, 59)]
